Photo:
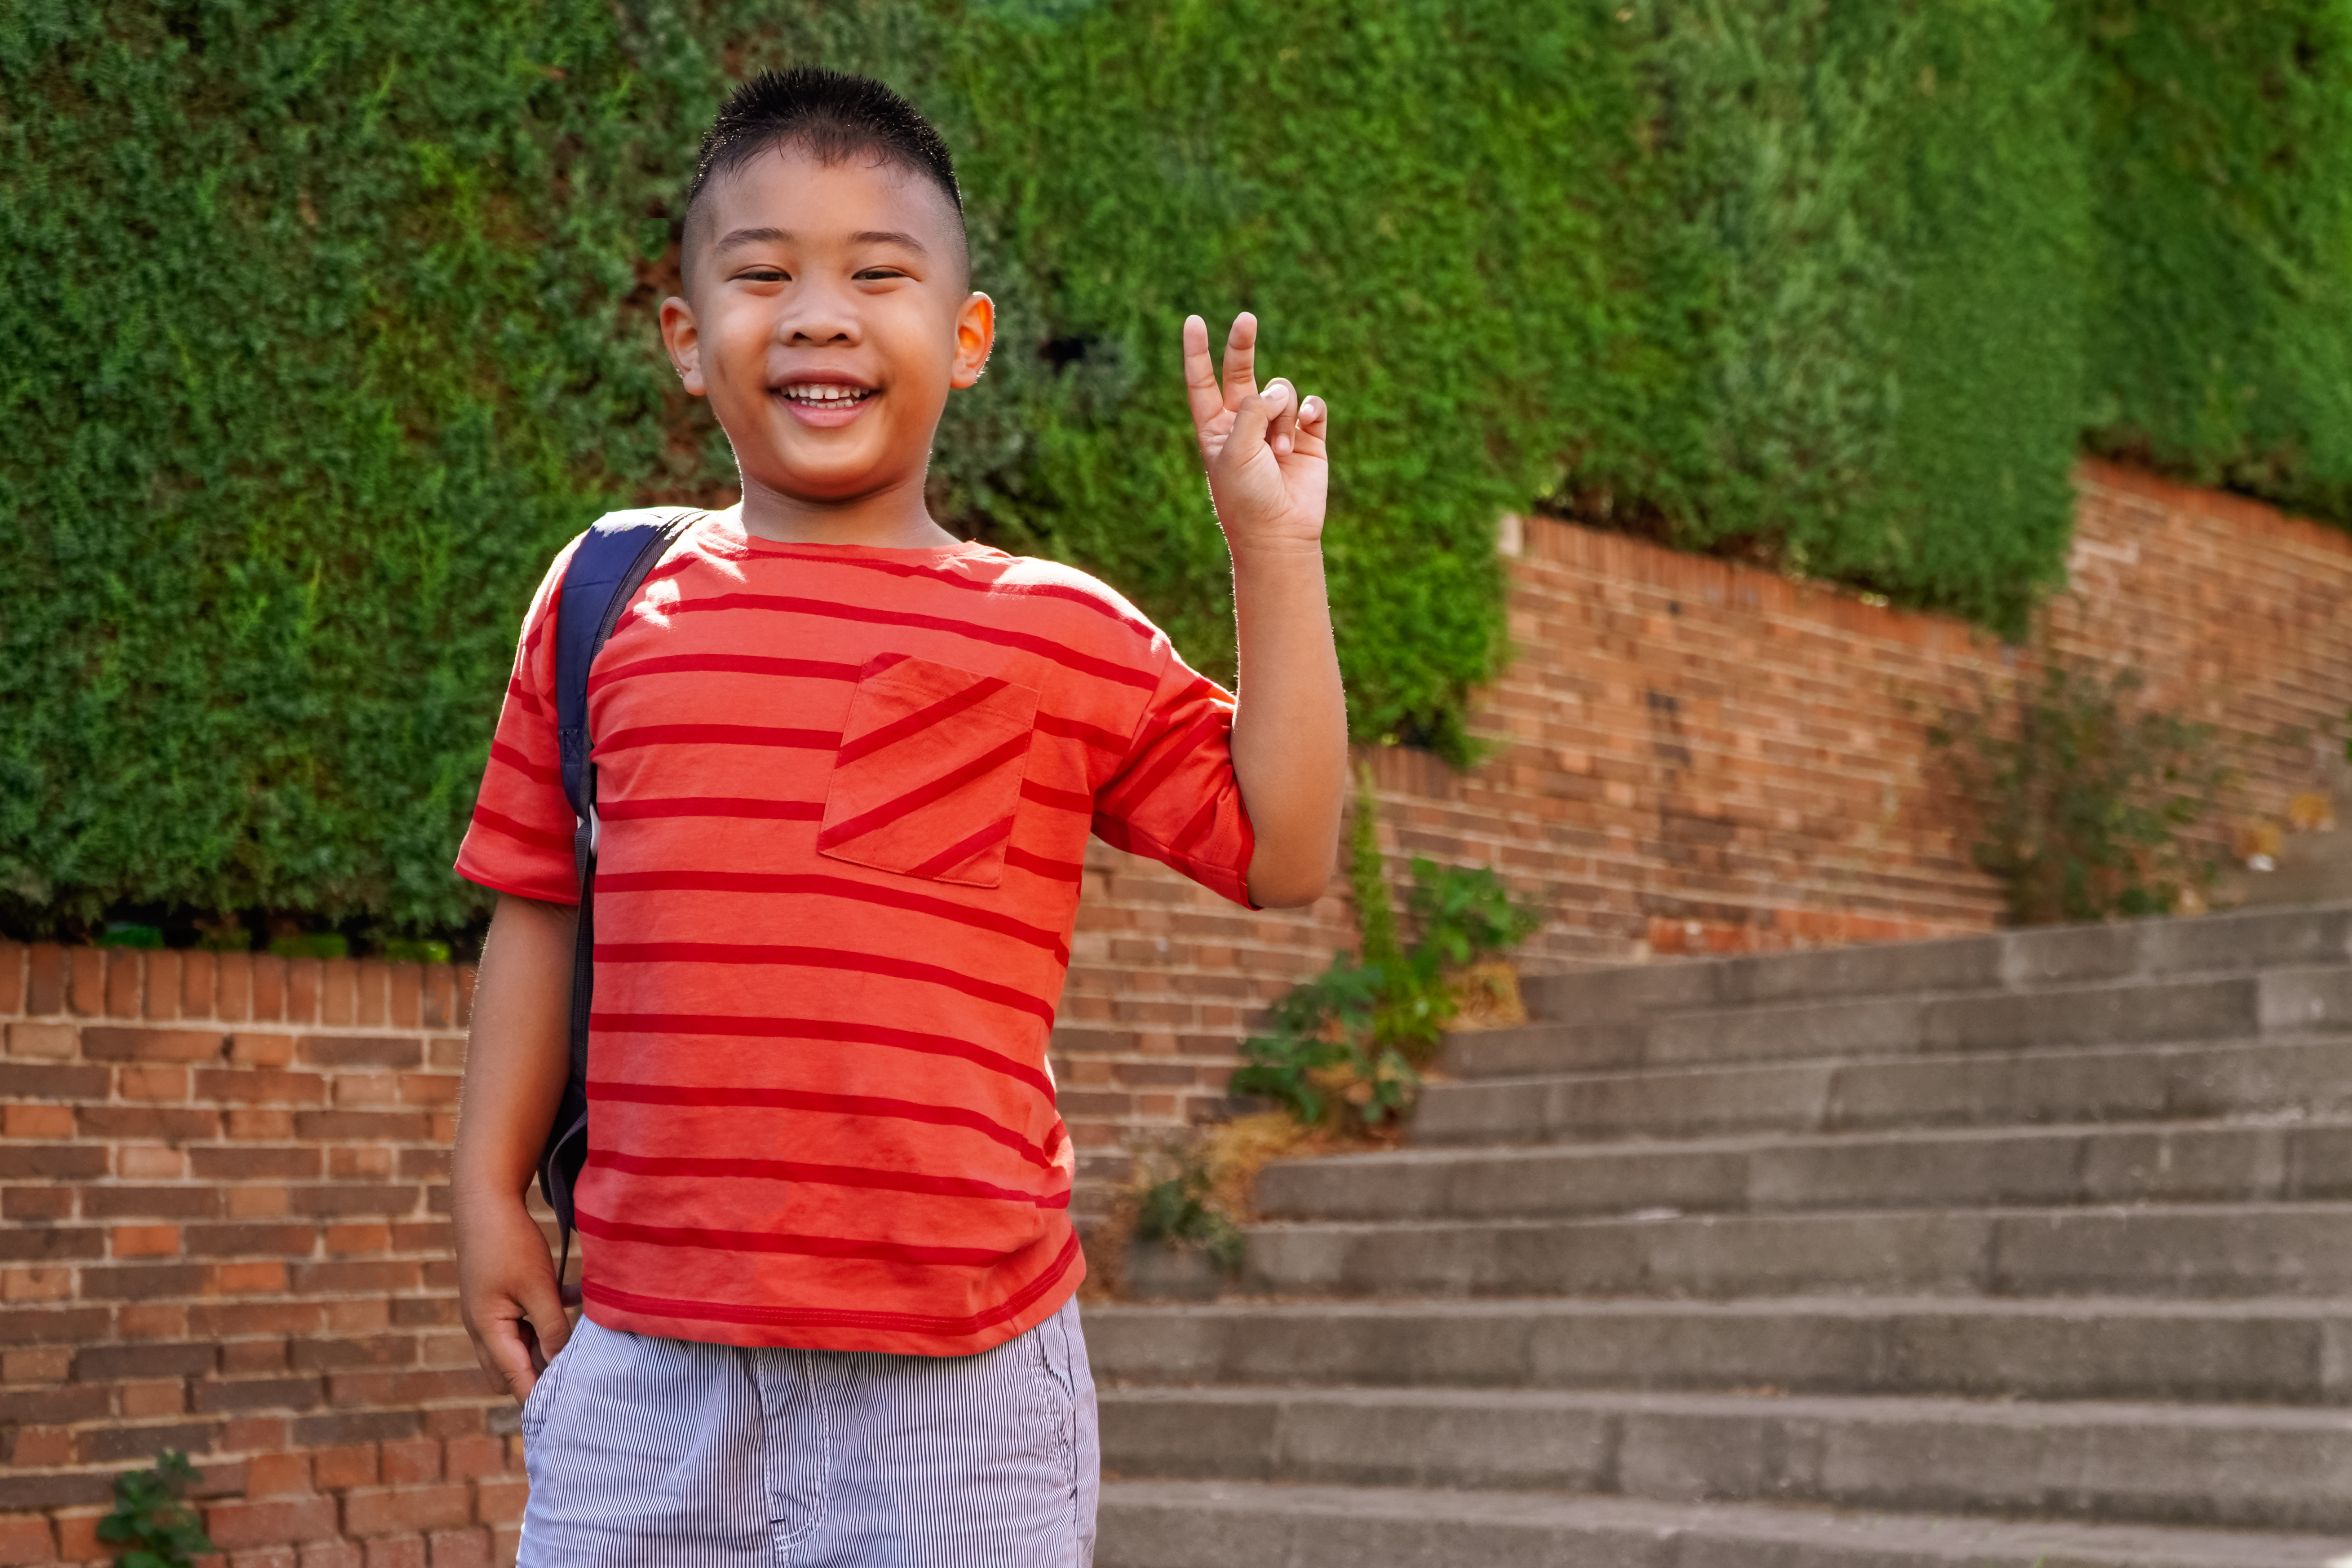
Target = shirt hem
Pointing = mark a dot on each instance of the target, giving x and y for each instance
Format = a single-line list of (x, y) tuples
[(570, 898), (609, 1309)]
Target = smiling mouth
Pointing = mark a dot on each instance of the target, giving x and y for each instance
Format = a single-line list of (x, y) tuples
[(825, 393)]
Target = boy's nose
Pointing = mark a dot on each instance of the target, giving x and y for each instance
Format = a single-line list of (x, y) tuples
[(817, 319)]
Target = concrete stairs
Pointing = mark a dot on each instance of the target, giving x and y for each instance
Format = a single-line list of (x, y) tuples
[(2026, 1249)]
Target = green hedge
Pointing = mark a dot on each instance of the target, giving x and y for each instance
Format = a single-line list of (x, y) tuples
[(2220, 336), (1868, 291), (328, 323)]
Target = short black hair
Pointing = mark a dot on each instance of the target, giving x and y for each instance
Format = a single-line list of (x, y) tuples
[(832, 116)]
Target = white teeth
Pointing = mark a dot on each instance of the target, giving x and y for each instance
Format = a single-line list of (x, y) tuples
[(827, 394)]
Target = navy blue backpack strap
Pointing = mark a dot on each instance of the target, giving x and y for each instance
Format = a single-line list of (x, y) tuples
[(604, 574), (605, 571)]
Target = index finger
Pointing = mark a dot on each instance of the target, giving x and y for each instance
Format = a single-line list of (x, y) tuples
[(1241, 361), (1200, 373)]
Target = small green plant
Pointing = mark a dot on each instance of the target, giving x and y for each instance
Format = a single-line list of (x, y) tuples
[(150, 1517), (1313, 1046), (1350, 1042), (1173, 1207), (1466, 914), (1327, 1055), (2086, 800)]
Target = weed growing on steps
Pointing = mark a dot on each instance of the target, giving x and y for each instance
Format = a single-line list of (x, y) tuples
[(150, 1517), (1196, 1194), (1349, 1045), (1343, 1060), (1175, 1204)]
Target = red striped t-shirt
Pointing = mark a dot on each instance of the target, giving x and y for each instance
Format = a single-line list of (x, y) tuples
[(843, 795)]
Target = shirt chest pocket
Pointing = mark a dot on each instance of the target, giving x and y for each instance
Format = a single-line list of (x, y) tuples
[(929, 775)]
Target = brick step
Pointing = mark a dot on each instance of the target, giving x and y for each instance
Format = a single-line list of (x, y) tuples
[(1235, 1524), (2202, 1250), (2162, 949), (2208, 1161), (2288, 1076), (2115, 1012), (2160, 1464), (2283, 1352)]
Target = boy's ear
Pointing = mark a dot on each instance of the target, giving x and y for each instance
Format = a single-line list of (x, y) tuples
[(683, 339), (975, 336)]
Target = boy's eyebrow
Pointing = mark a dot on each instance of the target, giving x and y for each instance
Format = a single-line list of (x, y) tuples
[(864, 237)]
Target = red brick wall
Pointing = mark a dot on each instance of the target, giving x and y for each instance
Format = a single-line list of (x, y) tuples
[(222, 1179), (222, 1229), (2233, 613)]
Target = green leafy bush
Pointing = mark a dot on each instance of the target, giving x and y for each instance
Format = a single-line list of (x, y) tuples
[(149, 1517), (328, 325), (2087, 800)]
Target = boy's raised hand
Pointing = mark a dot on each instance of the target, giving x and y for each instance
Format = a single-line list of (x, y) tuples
[(1265, 451)]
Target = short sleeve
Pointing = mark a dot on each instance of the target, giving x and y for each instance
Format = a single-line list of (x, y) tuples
[(1174, 797), (520, 839)]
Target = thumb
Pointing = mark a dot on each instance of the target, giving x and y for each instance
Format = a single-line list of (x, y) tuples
[(524, 1333), (543, 1303), (1251, 421)]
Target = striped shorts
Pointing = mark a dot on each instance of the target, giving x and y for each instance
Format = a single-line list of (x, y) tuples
[(657, 1453)]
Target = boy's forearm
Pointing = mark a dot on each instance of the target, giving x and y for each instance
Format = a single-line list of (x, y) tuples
[(519, 1052), (1290, 732)]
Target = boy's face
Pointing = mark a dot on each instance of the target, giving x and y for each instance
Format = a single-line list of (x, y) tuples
[(827, 314)]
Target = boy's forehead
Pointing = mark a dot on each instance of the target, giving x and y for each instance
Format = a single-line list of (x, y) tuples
[(790, 189)]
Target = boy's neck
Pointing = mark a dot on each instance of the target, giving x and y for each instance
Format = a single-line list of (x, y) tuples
[(895, 519)]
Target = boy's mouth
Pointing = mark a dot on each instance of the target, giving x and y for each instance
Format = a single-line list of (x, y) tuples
[(826, 405)]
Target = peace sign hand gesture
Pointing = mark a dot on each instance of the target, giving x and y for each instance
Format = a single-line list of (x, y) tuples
[(1265, 451)]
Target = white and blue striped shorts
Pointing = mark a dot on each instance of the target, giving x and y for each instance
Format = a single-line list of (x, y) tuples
[(657, 1453)]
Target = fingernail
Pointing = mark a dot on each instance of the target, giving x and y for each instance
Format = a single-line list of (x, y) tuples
[(1277, 392)]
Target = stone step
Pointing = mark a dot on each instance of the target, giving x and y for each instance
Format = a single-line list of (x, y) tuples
[(2319, 879), (2288, 1075), (2283, 1352), (2316, 867), (2164, 1464), (2016, 960), (2117, 1012), (1969, 1167), (2206, 1250), (1233, 1524)]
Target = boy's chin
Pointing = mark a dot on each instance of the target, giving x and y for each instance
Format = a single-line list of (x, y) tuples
[(824, 483)]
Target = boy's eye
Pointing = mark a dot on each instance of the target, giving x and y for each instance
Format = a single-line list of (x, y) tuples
[(879, 272), (766, 274)]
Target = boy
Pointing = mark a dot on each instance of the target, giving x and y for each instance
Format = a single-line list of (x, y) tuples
[(847, 765)]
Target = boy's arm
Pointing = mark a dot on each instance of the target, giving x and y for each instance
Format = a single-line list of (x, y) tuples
[(1267, 458), (516, 1060)]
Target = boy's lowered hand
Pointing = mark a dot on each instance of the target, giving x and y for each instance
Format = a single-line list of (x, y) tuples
[(515, 1063), (507, 1295), (1265, 451)]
